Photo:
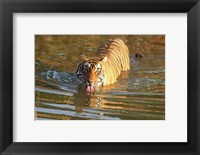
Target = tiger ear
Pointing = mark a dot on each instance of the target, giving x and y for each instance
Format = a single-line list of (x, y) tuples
[(83, 57), (104, 59)]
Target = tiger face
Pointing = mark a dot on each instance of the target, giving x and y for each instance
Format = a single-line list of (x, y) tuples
[(90, 73)]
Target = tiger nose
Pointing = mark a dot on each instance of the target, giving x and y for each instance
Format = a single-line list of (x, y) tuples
[(91, 82)]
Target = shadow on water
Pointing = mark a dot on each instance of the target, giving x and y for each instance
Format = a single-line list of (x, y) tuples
[(138, 94)]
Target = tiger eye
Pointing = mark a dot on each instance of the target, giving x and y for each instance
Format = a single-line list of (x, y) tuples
[(85, 70), (98, 70)]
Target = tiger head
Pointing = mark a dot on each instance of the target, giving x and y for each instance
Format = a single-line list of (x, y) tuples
[(90, 73)]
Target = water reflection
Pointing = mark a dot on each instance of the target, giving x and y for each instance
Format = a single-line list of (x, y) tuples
[(82, 101)]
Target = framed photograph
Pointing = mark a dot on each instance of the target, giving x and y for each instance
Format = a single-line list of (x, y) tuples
[(106, 77)]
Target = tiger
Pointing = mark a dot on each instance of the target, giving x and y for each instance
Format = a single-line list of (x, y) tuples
[(94, 73)]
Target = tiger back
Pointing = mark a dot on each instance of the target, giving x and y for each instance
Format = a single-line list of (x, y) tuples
[(118, 59)]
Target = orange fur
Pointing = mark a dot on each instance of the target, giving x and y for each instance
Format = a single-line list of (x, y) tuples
[(118, 59)]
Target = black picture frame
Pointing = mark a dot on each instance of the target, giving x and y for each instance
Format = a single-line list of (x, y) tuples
[(8, 7)]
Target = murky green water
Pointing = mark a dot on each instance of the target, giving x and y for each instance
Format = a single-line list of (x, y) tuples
[(139, 94)]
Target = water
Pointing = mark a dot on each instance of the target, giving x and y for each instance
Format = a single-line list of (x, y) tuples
[(138, 94)]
